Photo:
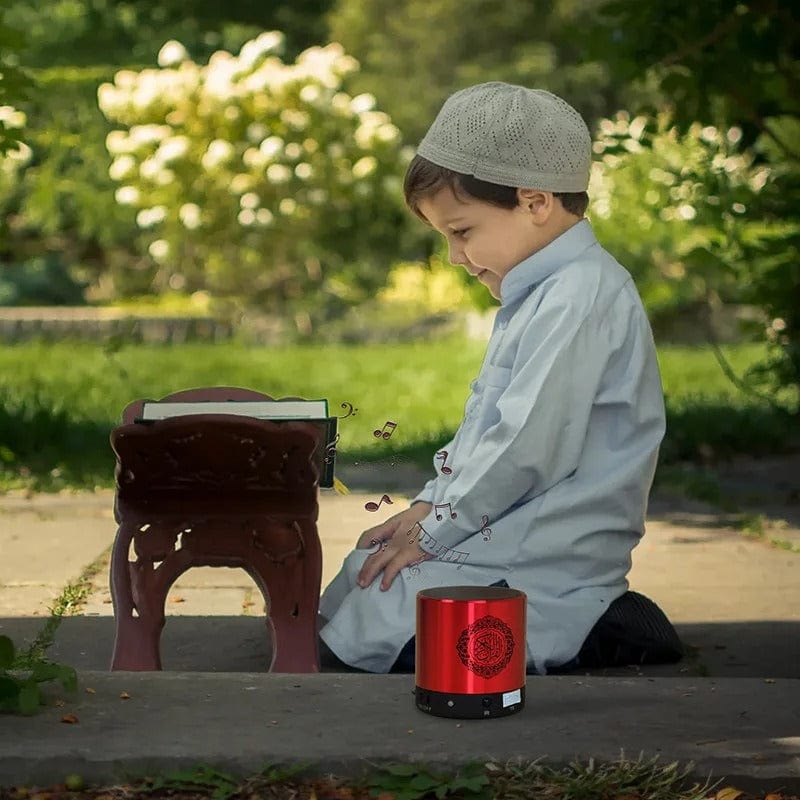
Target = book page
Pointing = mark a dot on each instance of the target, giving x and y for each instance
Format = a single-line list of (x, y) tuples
[(260, 409)]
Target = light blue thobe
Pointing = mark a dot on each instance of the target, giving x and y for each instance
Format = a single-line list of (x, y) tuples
[(551, 466)]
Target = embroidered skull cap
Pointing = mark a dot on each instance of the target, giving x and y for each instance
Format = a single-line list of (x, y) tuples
[(512, 136)]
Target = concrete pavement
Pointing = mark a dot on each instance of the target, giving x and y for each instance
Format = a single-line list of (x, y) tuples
[(733, 706), (734, 599), (746, 730)]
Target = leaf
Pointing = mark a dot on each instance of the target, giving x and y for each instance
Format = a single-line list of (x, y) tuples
[(728, 793), (6, 652), (423, 782), (475, 782), (68, 677), (74, 782), (124, 696), (29, 698), (45, 671), (401, 769), (70, 719)]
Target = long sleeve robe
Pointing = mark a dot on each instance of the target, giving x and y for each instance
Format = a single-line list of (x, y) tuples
[(551, 465)]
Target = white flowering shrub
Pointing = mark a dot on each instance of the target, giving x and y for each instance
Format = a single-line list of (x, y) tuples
[(256, 179), (12, 122), (695, 217), (670, 206)]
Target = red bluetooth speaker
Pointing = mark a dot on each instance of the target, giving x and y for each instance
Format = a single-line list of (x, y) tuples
[(470, 651)]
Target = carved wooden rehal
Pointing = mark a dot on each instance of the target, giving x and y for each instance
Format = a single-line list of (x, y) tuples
[(222, 491)]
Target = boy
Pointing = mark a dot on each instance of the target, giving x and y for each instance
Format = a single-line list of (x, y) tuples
[(551, 467)]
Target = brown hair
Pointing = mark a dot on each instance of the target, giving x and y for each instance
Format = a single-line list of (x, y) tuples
[(425, 178)]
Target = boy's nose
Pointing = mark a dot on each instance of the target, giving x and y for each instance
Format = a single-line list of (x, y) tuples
[(457, 257)]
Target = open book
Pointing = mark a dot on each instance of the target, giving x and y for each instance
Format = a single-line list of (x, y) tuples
[(314, 411)]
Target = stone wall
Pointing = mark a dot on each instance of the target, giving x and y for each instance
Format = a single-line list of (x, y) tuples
[(99, 324)]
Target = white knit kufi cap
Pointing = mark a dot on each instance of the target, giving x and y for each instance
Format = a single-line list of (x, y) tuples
[(512, 136)]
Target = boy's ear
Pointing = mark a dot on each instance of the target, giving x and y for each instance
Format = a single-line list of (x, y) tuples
[(536, 202)]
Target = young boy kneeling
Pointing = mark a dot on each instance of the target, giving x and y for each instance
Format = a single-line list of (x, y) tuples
[(552, 464)]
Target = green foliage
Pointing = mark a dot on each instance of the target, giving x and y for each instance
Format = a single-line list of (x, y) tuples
[(41, 281), (201, 777), (85, 33), (19, 685), (416, 781), (707, 230), (14, 83), (62, 198), (47, 446), (261, 182), (517, 780), (689, 60), (645, 779), (416, 52), (274, 773), (434, 287), (724, 62), (768, 271)]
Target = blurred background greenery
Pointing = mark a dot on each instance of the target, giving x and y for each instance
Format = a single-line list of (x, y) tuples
[(179, 155)]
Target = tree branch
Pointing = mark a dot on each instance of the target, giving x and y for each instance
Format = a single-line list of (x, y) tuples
[(722, 29), (725, 365), (761, 123)]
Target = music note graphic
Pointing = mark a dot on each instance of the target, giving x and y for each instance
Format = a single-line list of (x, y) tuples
[(330, 450), (456, 556), (436, 508), (422, 535), (376, 506), (383, 432), (383, 545), (486, 531), (443, 455), (416, 530), (350, 412)]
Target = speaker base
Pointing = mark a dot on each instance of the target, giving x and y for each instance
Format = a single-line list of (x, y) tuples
[(470, 706)]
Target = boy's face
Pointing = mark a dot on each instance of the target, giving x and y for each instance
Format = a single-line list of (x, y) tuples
[(488, 241)]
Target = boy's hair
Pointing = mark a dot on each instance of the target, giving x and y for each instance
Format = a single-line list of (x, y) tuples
[(424, 179)]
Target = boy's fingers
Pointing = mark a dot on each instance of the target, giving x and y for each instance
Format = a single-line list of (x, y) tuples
[(400, 561), (379, 532), (368, 572), (367, 536), (370, 539), (389, 574), (375, 563), (390, 565)]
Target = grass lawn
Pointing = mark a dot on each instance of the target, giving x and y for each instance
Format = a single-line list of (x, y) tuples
[(58, 402)]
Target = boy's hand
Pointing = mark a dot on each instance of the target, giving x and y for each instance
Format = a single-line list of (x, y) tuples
[(404, 521), (398, 539)]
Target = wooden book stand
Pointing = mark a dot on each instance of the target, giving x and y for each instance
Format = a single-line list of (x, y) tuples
[(222, 491)]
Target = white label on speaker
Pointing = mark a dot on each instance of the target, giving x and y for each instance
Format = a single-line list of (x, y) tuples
[(510, 698)]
